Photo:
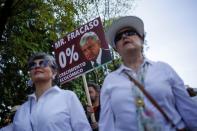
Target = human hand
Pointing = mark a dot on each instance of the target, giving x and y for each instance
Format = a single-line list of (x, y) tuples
[(94, 125), (89, 109)]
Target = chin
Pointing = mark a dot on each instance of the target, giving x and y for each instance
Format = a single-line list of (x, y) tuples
[(90, 58), (130, 48), (40, 78)]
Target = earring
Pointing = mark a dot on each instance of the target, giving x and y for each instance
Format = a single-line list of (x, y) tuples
[(53, 77), (30, 83)]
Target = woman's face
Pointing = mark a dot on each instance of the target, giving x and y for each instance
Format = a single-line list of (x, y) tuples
[(93, 93), (128, 40), (40, 71)]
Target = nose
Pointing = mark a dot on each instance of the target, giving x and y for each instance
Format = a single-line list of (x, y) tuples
[(37, 65)]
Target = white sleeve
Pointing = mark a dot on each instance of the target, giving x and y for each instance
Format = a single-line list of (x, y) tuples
[(7, 128), (185, 105), (106, 120), (79, 120)]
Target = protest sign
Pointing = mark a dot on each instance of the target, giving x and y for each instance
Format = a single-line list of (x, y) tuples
[(75, 57)]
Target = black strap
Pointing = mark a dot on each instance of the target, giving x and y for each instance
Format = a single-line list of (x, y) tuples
[(152, 100)]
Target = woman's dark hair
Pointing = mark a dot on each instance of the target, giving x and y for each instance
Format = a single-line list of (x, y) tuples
[(95, 86)]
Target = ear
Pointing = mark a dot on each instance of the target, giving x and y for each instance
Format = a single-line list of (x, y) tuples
[(29, 74), (30, 83)]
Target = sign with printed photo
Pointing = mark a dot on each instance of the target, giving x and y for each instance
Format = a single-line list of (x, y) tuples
[(81, 51)]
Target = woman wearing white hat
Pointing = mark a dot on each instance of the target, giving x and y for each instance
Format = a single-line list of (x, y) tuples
[(164, 105)]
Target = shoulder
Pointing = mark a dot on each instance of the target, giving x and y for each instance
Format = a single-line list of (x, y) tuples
[(158, 63), (161, 65), (112, 75), (63, 93), (68, 93), (115, 75), (111, 79), (22, 110), (24, 106), (164, 70), (194, 98)]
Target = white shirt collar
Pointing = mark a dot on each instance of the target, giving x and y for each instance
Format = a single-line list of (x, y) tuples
[(98, 60), (51, 89), (123, 67)]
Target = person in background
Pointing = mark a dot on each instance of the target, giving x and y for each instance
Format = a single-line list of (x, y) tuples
[(9, 127), (90, 45), (94, 91), (192, 93), (124, 107), (49, 108)]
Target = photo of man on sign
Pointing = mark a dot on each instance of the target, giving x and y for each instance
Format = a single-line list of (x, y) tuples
[(90, 45), (81, 50)]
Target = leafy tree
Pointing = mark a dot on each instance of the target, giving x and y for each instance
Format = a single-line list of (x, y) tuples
[(29, 26)]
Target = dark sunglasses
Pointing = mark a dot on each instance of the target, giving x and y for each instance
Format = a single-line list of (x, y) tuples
[(42, 64), (126, 33)]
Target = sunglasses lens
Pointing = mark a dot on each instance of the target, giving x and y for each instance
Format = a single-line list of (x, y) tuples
[(126, 33), (130, 33), (117, 37), (42, 64), (32, 65)]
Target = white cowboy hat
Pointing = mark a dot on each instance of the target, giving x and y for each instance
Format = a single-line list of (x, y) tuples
[(126, 21)]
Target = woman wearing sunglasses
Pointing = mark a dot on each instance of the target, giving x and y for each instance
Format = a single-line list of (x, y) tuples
[(142, 95), (49, 108)]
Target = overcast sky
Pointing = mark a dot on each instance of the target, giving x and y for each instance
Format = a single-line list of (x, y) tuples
[(171, 27)]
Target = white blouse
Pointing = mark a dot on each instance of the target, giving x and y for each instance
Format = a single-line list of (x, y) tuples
[(118, 109), (56, 110)]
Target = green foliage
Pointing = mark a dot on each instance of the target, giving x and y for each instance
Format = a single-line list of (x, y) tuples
[(34, 25)]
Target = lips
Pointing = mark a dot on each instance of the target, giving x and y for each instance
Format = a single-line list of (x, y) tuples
[(37, 71), (127, 41)]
